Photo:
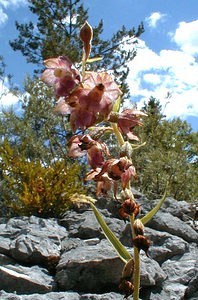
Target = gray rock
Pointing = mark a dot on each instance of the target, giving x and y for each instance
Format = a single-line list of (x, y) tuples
[(32, 240), (21, 279), (30, 247), (89, 268), (182, 276), (107, 296), (36, 296), (81, 225), (85, 226), (166, 222), (151, 274), (98, 264), (180, 209), (163, 245), (61, 296)]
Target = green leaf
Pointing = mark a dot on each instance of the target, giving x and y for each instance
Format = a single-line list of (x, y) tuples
[(150, 214), (117, 245), (116, 106), (94, 59)]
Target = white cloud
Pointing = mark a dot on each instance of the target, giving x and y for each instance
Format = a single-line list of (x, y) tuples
[(169, 72), (154, 18), (3, 17), (5, 4), (11, 3), (6, 98), (186, 37)]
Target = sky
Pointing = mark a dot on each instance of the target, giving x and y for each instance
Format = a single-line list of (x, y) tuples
[(166, 65)]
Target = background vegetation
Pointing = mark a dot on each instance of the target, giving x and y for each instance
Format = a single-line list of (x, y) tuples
[(33, 145)]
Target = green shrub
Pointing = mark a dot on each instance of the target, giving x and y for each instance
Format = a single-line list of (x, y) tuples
[(32, 188)]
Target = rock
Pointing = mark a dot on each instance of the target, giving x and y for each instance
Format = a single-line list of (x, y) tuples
[(166, 222), (32, 240), (182, 277), (180, 209), (151, 274), (61, 296), (44, 259), (163, 245), (89, 268), (81, 225), (99, 265), (14, 277), (85, 226)]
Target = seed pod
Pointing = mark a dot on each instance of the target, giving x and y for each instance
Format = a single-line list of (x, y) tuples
[(138, 227), (142, 243), (126, 287), (86, 35)]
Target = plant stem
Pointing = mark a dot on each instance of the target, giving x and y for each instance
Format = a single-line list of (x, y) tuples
[(136, 281), (117, 133), (136, 257)]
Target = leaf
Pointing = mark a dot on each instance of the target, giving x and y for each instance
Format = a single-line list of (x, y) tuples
[(150, 214), (117, 245), (116, 106), (94, 59)]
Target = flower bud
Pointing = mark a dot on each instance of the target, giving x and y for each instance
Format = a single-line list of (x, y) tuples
[(142, 243), (86, 35), (136, 210), (126, 150), (127, 208), (126, 287), (138, 227)]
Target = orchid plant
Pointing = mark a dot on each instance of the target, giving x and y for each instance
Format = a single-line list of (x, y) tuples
[(93, 102)]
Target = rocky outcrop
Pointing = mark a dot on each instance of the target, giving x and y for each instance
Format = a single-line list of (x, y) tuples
[(71, 259)]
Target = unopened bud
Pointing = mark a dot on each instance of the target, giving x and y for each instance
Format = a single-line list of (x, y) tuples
[(142, 243), (138, 227), (86, 35), (126, 150), (127, 288)]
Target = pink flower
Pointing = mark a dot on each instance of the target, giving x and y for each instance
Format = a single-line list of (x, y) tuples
[(127, 120), (90, 100), (60, 74), (101, 91), (84, 144), (104, 182), (118, 169)]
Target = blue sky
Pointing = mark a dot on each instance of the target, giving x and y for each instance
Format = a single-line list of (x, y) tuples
[(167, 53)]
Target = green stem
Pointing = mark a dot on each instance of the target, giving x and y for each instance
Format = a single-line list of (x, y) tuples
[(136, 257), (136, 281), (117, 133)]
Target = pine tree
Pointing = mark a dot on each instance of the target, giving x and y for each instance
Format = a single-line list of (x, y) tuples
[(169, 155), (57, 33)]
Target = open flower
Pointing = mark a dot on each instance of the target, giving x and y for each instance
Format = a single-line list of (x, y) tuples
[(118, 169), (101, 91), (129, 119), (104, 182), (84, 144), (60, 74)]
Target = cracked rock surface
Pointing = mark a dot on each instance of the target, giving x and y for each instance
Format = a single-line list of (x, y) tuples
[(71, 259)]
